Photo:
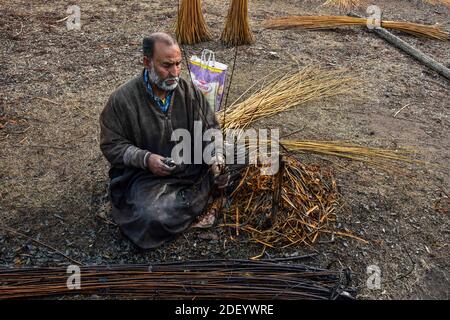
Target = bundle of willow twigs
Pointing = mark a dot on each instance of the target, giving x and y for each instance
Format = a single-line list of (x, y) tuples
[(206, 279), (285, 92), (378, 157), (237, 29), (307, 199), (321, 22), (446, 2), (191, 27), (343, 4)]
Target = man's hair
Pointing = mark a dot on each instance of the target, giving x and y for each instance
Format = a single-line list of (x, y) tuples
[(148, 44)]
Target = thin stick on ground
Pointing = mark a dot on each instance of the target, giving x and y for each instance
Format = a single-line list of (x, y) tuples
[(20, 234)]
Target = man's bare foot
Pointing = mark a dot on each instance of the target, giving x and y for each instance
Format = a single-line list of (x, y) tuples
[(207, 220)]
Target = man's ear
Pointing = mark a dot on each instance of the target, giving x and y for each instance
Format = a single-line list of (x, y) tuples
[(146, 62)]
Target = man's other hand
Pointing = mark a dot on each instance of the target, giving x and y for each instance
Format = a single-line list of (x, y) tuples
[(156, 165), (222, 180), (221, 176)]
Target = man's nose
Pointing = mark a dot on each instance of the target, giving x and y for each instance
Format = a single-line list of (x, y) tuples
[(174, 71)]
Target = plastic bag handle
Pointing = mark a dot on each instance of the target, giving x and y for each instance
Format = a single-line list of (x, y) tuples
[(211, 57)]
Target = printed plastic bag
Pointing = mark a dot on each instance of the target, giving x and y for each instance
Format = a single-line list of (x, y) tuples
[(209, 77)]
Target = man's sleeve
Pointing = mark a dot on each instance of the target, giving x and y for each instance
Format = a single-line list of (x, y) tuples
[(114, 143)]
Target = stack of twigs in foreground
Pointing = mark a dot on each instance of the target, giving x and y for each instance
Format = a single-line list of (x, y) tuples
[(237, 28), (191, 27), (207, 279), (292, 207), (321, 22)]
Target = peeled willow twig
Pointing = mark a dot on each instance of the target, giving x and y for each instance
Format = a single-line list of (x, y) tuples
[(191, 26), (322, 22), (237, 29)]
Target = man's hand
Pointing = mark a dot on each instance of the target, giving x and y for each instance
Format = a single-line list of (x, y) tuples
[(221, 178), (156, 165)]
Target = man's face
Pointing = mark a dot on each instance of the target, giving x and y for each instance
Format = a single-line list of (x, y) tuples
[(165, 66)]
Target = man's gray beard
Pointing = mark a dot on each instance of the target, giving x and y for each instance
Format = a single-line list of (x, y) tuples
[(162, 84)]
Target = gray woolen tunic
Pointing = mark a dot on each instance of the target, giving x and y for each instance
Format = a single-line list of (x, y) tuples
[(151, 210)]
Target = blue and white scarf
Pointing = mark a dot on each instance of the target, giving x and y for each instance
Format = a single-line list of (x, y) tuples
[(162, 104)]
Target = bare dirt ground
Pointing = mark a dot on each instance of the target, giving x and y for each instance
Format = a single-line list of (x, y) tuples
[(53, 177)]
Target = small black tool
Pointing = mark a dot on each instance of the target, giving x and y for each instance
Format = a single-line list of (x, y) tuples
[(169, 162)]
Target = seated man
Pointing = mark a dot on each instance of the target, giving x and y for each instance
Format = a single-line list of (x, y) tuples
[(152, 200)]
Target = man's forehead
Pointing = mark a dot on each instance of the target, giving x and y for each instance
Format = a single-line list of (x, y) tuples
[(165, 52)]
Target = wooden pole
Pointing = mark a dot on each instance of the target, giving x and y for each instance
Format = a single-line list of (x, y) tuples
[(406, 47), (278, 185)]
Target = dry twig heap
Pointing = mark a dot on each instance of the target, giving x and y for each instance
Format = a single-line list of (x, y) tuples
[(308, 196), (237, 28), (191, 26), (307, 202), (325, 22)]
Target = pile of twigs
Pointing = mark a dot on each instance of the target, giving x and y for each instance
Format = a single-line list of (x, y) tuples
[(292, 207), (205, 279), (287, 91), (237, 29), (343, 4), (284, 92), (446, 2), (321, 22), (191, 27), (377, 157), (348, 4)]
